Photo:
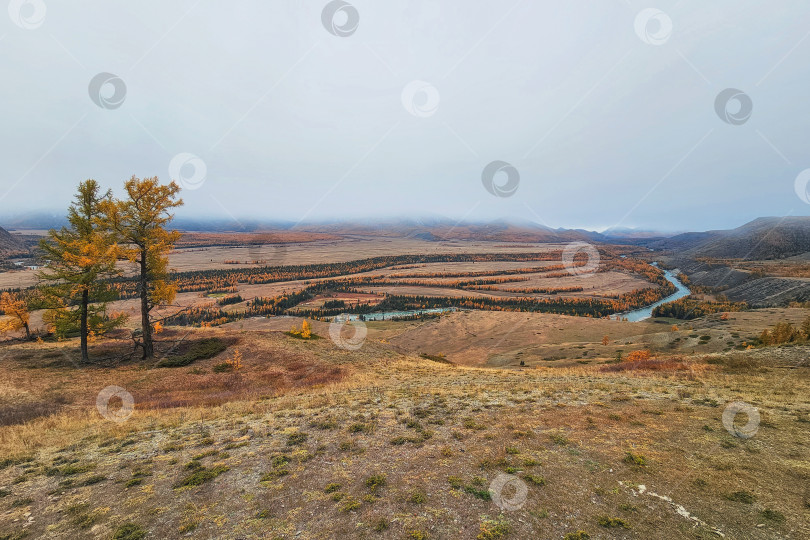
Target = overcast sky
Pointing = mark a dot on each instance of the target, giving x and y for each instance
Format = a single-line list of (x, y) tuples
[(606, 113)]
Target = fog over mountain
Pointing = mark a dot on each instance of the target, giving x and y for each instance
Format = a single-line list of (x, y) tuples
[(607, 115)]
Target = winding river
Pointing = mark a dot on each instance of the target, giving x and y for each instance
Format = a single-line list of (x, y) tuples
[(646, 312)]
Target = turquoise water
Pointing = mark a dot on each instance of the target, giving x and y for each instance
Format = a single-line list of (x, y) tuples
[(646, 312), (388, 315)]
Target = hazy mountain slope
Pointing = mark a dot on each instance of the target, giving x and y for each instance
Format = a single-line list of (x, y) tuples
[(9, 244), (440, 230), (771, 291), (762, 238), (711, 275)]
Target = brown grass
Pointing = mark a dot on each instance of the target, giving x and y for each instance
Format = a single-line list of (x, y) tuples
[(329, 417), (53, 376), (677, 363)]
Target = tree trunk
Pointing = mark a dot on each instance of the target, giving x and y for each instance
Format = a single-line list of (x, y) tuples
[(84, 329), (146, 325)]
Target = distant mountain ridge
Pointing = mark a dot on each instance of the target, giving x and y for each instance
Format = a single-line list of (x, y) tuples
[(762, 238), (496, 231)]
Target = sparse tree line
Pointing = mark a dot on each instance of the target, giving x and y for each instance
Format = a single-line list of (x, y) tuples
[(567, 306), (688, 308), (83, 261), (430, 282), (263, 306), (525, 290), (483, 273), (225, 280), (230, 299), (258, 307)]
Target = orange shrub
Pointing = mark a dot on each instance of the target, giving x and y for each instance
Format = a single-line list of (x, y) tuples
[(638, 356)]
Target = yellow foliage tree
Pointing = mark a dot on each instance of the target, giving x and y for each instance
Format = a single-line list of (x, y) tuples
[(82, 259), (605, 340), (304, 333), (140, 223), (235, 361), (17, 315)]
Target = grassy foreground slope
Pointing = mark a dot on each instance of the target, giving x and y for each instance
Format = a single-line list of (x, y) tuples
[(310, 441)]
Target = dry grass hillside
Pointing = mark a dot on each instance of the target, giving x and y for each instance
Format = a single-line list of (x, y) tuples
[(306, 440)]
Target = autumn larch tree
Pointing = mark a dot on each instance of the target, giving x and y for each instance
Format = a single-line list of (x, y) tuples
[(17, 314), (82, 259), (140, 222)]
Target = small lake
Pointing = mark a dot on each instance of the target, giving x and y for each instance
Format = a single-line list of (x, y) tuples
[(388, 315), (646, 312)]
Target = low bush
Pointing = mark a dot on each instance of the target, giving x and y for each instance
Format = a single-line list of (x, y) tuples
[(440, 358), (197, 350), (612, 523), (376, 481), (493, 529), (20, 413), (202, 475), (635, 459), (129, 531), (744, 497)]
